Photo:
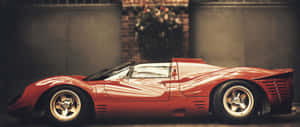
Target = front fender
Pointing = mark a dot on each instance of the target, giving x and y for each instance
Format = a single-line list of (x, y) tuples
[(35, 90)]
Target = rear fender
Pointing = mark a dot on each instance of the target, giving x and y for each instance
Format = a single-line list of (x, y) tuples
[(204, 85)]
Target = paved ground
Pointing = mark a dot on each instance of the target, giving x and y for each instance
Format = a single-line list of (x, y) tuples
[(292, 120)]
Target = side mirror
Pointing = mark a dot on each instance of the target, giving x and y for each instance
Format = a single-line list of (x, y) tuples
[(174, 72), (130, 71)]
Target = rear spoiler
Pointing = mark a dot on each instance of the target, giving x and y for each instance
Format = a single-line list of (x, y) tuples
[(287, 70), (277, 73), (188, 60)]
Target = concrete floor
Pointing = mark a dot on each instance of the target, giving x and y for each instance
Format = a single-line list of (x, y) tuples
[(291, 120)]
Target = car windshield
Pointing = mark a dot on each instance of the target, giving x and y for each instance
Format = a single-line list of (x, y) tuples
[(118, 74), (106, 73)]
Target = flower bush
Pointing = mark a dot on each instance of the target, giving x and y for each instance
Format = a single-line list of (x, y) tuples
[(159, 31), (161, 16)]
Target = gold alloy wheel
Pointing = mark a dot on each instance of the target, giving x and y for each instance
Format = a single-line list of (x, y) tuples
[(65, 105), (238, 101)]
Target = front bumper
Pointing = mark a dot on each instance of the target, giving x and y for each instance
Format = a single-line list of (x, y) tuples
[(17, 107)]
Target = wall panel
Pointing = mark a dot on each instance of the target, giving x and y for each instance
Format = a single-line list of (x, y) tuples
[(52, 41), (263, 35)]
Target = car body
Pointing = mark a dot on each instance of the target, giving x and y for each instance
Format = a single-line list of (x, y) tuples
[(181, 88)]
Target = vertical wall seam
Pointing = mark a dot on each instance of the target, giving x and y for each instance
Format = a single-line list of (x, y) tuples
[(244, 12), (67, 42)]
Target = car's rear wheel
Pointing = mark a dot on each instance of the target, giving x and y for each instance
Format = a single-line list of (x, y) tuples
[(67, 105), (235, 101)]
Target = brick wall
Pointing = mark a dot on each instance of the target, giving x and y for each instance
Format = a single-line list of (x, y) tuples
[(129, 44), (177, 3)]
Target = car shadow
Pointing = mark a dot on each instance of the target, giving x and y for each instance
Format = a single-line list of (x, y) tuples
[(201, 120), (208, 120)]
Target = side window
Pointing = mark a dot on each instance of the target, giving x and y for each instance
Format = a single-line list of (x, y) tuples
[(151, 71)]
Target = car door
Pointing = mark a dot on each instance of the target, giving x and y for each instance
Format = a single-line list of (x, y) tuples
[(149, 80), (142, 92), (143, 83)]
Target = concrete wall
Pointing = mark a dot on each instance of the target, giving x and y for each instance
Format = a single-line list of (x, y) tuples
[(62, 41), (245, 35), (81, 40)]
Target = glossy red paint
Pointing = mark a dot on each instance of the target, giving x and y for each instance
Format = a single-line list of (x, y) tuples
[(35, 90), (187, 60), (186, 92)]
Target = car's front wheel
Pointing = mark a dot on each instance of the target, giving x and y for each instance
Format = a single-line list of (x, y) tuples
[(235, 101), (67, 105)]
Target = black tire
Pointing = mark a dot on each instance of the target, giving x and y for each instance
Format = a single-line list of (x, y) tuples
[(228, 108), (83, 114)]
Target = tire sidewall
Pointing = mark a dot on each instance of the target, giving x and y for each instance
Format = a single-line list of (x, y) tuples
[(219, 110)]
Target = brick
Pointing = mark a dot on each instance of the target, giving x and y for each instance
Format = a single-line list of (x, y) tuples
[(125, 18), (124, 33), (132, 18), (125, 25), (124, 30), (131, 14), (185, 21), (184, 15), (186, 35), (185, 27), (124, 54)]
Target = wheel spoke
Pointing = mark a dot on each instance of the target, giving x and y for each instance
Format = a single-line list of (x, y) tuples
[(71, 99), (58, 106), (243, 97), (65, 112), (234, 93), (229, 100), (59, 103), (73, 109), (242, 105), (234, 108), (63, 97)]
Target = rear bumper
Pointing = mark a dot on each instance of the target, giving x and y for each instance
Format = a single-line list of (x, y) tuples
[(279, 90)]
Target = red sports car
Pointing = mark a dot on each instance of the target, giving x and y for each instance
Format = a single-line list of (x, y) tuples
[(181, 88)]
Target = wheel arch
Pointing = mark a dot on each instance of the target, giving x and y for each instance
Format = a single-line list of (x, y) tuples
[(263, 94)]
